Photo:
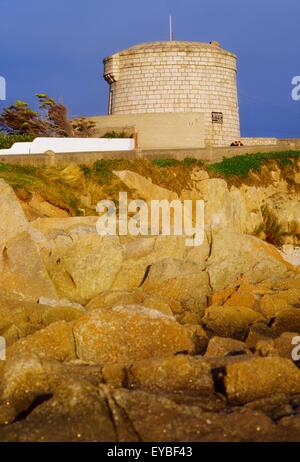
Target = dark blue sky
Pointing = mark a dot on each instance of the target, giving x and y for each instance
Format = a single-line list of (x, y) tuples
[(57, 46)]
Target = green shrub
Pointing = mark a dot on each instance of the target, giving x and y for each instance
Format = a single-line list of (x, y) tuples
[(86, 170), (163, 163), (101, 169), (114, 134), (6, 141), (188, 161), (241, 165)]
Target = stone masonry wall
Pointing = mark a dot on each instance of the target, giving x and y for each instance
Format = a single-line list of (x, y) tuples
[(175, 77)]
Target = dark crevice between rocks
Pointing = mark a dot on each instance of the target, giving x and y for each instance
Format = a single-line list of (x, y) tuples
[(210, 242), (183, 352), (5, 258), (218, 376), (35, 403), (297, 363), (129, 421), (112, 418), (236, 353), (76, 352), (271, 322), (114, 408), (71, 278), (145, 275)]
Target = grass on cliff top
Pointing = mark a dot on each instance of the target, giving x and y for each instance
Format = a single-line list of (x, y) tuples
[(65, 187), (242, 165), (68, 186)]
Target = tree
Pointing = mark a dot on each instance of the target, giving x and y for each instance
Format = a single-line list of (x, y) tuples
[(52, 120), (56, 116), (19, 118)]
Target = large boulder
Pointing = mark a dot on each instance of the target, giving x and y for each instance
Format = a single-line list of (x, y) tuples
[(180, 373), (223, 346), (21, 318), (13, 220), (83, 265), (111, 298), (249, 380), (127, 334), (144, 186), (141, 253), (230, 321), (56, 341), (22, 271), (159, 418), (184, 281), (234, 255), (45, 401)]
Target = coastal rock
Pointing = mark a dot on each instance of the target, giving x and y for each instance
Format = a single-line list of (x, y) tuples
[(180, 373), (83, 265), (183, 281), (22, 271), (108, 299), (234, 255), (144, 187), (128, 333), (229, 321), (260, 377), (222, 346)]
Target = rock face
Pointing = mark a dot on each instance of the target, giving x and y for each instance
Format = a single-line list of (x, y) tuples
[(81, 266), (22, 270), (128, 339), (234, 255), (273, 375), (183, 281), (144, 186), (13, 220), (230, 321), (126, 334)]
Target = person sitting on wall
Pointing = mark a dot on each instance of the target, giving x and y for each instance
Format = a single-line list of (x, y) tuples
[(237, 143)]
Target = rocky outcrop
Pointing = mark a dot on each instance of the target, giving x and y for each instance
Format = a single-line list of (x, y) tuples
[(144, 339), (22, 270), (235, 255), (144, 187), (127, 333)]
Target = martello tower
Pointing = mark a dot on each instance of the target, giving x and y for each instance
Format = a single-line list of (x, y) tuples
[(176, 77)]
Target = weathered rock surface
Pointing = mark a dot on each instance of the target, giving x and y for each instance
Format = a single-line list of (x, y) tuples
[(229, 321), (173, 343), (179, 373), (234, 255), (83, 265), (222, 346), (260, 377), (183, 281), (22, 271), (144, 186), (128, 333), (19, 319)]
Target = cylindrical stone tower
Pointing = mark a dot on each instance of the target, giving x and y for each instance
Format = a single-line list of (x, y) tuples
[(178, 77)]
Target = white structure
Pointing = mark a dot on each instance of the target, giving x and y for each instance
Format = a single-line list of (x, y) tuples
[(69, 145)]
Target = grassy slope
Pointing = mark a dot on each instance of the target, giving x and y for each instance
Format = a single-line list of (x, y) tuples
[(64, 187)]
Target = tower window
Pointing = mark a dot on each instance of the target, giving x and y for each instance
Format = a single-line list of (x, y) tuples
[(217, 117), (110, 102)]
